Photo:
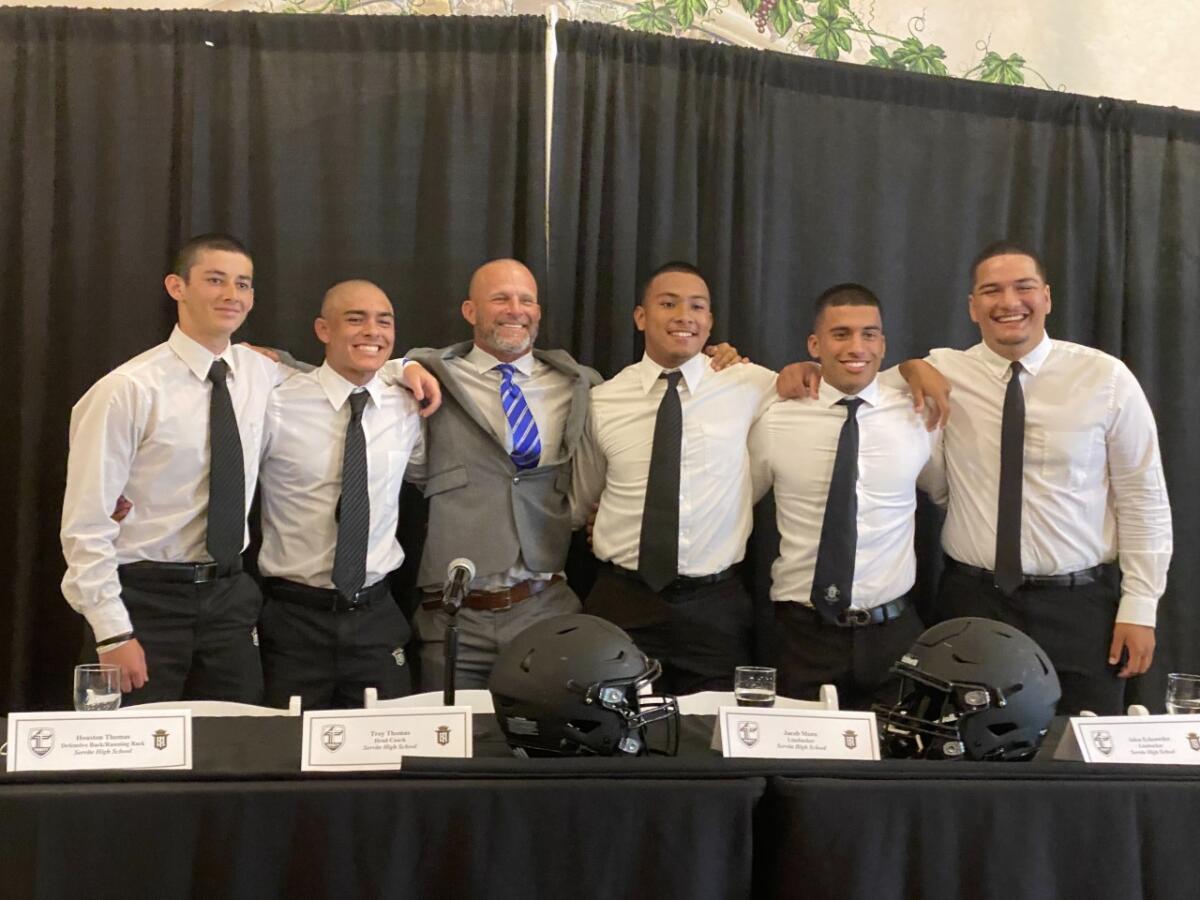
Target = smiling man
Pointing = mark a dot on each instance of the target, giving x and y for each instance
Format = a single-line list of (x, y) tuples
[(335, 447), (177, 431), (665, 457), (1058, 520), (499, 456), (845, 508)]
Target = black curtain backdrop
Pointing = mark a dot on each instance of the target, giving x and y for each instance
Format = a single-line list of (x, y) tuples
[(781, 176), (404, 150)]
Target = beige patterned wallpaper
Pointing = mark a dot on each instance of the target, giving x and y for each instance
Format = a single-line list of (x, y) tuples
[(1129, 49)]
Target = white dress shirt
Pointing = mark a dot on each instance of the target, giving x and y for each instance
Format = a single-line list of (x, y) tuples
[(142, 431), (548, 393), (1093, 481), (301, 473), (613, 464), (794, 445)]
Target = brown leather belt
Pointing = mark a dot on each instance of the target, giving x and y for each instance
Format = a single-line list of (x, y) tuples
[(497, 601)]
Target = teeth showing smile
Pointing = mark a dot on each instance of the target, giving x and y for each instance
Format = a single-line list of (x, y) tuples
[(1011, 317), (683, 334), (368, 348), (855, 365)]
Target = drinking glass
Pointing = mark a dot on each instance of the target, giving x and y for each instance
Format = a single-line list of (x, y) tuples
[(754, 686), (97, 687), (1183, 694)]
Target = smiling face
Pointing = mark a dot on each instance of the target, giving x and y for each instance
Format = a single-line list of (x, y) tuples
[(676, 317), (215, 297), (1010, 302), (358, 328), (503, 308), (848, 341)]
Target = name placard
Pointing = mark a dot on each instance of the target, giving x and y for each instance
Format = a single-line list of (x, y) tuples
[(1155, 740), (750, 733), (117, 739), (348, 740)]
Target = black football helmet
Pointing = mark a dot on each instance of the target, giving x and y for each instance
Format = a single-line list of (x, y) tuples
[(970, 688), (568, 686)]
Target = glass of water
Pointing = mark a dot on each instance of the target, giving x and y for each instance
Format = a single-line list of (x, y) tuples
[(754, 686), (97, 686), (1183, 694)]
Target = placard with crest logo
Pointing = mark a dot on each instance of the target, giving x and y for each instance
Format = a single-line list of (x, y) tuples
[(348, 740), (1152, 740), (116, 739), (782, 733)]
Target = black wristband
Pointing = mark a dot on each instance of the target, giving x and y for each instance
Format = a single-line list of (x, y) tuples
[(115, 639)]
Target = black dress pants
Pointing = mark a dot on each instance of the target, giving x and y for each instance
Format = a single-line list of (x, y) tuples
[(855, 660), (199, 639), (1074, 625), (328, 658), (699, 633)]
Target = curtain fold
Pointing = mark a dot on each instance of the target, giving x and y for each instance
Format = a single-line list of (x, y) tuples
[(403, 150)]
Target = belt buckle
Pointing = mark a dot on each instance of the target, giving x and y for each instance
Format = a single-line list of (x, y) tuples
[(508, 600), (854, 617), (204, 572)]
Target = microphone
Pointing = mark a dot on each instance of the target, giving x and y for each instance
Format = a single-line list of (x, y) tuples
[(459, 575)]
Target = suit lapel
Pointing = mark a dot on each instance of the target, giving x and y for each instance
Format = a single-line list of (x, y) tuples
[(446, 375), (581, 387)]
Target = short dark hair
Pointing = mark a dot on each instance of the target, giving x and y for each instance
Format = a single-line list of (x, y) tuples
[(675, 265), (194, 246), (1006, 248), (848, 293)]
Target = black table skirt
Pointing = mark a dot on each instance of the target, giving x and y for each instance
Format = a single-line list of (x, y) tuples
[(245, 823)]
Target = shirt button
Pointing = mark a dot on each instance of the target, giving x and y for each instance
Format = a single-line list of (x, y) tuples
[(516, 479)]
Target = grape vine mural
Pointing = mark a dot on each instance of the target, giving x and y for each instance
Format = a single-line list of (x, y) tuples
[(828, 29)]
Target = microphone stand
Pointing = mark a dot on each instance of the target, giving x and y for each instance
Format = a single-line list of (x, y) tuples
[(450, 654), (452, 600)]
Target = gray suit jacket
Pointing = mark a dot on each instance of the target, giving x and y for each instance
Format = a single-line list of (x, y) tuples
[(480, 506)]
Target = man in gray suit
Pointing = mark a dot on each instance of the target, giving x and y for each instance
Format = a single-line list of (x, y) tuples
[(498, 469)]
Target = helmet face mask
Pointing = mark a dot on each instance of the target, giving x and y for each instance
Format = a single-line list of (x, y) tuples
[(570, 686), (970, 688)]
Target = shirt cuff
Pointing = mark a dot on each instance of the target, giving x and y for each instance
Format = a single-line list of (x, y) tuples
[(109, 620), (1137, 611)]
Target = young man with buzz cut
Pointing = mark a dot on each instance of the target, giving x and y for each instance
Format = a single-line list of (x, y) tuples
[(336, 444), (1058, 520), (845, 467)]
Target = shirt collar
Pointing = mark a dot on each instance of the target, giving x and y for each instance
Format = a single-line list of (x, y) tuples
[(338, 390), (828, 396), (196, 356), (693, 371), (485, 362), (1030, 362)]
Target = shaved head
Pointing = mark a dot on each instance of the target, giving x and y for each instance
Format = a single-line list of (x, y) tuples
[(345, 293), (502, 307), (358, 328), (498, 270)]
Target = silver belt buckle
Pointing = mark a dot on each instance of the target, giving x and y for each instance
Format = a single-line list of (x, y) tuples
[(204, 572), (854, 616)]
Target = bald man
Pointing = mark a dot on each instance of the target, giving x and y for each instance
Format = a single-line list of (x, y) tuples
[(499, 455), (336, 443)]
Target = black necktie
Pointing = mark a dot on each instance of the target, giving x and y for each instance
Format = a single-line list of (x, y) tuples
[(226, 473), (833, 577), (354, 518), (658, 549), (1008, 514)]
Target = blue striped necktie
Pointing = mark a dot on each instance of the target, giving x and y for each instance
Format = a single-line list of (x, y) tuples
[(526, 442)]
